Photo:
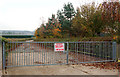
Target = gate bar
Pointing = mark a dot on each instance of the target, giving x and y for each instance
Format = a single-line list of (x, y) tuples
[(67, 51), (3, 55), (114, 50)]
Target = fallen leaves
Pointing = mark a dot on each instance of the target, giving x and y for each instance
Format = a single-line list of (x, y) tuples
[(38, 62), (104, 65), (59, 62)]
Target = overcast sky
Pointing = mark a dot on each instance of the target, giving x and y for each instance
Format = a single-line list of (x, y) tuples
[(29, 14)]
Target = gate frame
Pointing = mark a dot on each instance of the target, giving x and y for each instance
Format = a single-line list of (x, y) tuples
[(114, 53)]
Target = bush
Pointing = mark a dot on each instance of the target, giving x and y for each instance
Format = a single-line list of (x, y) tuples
[(118, 40), (3, 39)]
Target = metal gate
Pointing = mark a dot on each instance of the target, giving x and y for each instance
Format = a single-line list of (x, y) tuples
[(42, 53)]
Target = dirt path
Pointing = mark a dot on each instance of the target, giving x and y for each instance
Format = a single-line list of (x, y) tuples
[(60, 70)]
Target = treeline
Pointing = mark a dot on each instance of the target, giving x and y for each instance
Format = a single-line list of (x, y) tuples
[(88, 20)]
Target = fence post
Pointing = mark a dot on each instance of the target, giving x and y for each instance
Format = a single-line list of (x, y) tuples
[(67, 51), (114, 50), (3, 55)]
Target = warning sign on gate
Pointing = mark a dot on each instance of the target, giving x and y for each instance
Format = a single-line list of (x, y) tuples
[(59, 47)]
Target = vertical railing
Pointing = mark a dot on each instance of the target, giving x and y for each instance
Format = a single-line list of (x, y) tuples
[(3, 55), (77, 52), (67, 51), (114, 50)]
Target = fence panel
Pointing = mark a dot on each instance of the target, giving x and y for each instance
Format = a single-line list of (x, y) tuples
[(91, 51), (33, 53), (43, 53)]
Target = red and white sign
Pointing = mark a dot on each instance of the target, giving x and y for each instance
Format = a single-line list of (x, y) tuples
[(59, 47)]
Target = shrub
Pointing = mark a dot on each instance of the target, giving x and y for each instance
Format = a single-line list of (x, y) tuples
[(118, 40)]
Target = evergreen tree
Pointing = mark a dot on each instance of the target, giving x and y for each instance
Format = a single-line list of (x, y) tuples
[(65, 16)]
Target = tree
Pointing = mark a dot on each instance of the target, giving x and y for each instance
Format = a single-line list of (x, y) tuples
[(36, 34), (50, 30), (78, 27), (65, 17), (111, 15), (39, 32), (60, 17), (68, 11), (91, 15), (53, 26)]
